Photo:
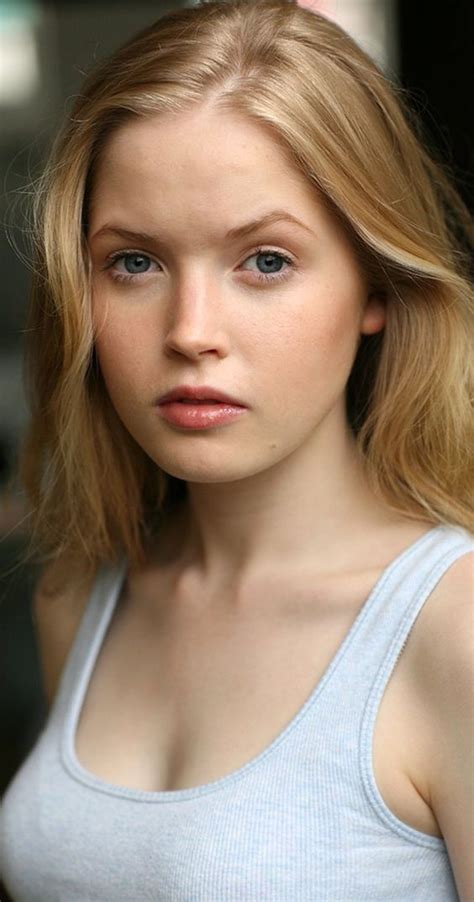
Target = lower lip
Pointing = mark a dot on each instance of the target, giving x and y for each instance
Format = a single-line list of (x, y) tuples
[(199, 416)]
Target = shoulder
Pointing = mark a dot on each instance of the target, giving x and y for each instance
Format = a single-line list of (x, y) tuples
[(446, 616), (445, 645), (443, 681), (443, 652), (60, 596), (440, 652)]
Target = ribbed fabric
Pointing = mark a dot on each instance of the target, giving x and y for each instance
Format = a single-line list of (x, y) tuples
[(301, 822)]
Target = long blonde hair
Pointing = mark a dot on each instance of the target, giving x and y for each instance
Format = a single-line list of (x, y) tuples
[(349, 131)]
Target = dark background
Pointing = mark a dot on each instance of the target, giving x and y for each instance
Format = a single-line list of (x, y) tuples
[(436, 62), (434, 65)]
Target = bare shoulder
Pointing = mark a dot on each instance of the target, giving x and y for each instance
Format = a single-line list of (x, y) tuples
[(61, 594), (442, 675), (444, 630), (442, 641)]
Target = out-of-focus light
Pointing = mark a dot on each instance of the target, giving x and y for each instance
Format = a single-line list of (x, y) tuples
[(365, 20), (19, 63)]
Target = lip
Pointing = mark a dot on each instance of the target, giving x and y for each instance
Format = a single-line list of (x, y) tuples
[(200, 416), (199, 393)]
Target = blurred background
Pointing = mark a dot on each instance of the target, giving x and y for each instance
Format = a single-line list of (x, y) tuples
[(45, 50)]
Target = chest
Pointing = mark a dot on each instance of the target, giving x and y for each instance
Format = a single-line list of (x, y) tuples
[(177, 702)]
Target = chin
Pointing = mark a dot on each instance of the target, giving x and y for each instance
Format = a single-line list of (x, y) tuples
[(206, 471)]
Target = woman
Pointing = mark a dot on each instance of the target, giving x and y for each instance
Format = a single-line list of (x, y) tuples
[(248, 469)]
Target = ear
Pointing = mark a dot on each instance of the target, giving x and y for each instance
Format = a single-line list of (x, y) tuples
[(374, 314)]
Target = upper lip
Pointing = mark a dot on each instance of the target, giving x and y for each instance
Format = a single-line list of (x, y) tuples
[(199, 393)]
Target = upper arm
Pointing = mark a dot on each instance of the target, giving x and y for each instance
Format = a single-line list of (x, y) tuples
[(446, 685), (57, 606)]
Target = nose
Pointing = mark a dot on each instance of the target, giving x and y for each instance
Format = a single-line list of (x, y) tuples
[(195, 320)]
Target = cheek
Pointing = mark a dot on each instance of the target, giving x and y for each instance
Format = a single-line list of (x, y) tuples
[(321, 341), (123, 354), (317, 356)]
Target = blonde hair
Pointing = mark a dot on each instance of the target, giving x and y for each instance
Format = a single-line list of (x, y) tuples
[(347, 130)]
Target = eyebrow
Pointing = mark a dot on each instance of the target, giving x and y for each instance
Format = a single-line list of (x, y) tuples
[(240, 232)]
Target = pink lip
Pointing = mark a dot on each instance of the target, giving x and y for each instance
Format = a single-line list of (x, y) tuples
[(198, 393), (199, 416)]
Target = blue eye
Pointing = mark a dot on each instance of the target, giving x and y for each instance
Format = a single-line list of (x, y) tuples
[(130, 266), (134, 264), (269, 258)]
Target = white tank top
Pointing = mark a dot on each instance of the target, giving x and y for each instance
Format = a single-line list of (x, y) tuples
[(303, 821)]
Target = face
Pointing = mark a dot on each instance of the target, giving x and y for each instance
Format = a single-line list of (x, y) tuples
[(272, 316)]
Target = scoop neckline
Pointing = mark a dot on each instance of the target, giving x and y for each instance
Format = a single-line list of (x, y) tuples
[(68, 754)]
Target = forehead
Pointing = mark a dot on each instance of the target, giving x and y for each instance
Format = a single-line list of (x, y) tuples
[(200, 135), (202, 152), (196, 175)]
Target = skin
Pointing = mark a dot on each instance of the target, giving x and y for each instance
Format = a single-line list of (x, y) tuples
[(282, 485)]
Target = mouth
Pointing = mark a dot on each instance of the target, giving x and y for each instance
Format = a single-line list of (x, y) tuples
[(192, 414), (198, 394), (202, 402)]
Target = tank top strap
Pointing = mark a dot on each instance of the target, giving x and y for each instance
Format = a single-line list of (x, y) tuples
[(96, 616), (383, 625), (404, 589)]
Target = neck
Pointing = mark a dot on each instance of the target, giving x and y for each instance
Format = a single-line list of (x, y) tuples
[(313, 508)]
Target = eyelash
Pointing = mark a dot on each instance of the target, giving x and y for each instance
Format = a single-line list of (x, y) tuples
[(261, 277)]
